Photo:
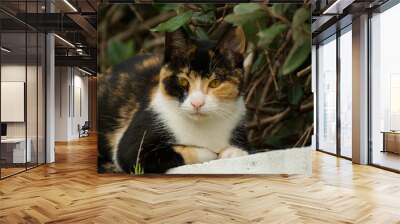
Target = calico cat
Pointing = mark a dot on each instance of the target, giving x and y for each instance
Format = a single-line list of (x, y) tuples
[(186, 109)]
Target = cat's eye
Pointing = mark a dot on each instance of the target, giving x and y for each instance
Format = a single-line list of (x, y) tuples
[(183, 82), (214, 83)]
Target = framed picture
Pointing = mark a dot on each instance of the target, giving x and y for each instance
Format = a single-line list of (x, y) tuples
[(205, 88)]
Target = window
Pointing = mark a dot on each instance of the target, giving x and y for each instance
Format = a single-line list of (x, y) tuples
[(385, 89), (22, 75), (346, 92), (327, 95)]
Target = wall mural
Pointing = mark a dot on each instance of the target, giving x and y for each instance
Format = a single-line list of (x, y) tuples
[(204, 88)]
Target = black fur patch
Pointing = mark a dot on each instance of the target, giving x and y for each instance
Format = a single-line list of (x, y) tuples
[(174, 89), (157, 154)]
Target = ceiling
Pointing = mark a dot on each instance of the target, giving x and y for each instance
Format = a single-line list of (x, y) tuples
[(328, 16), (74, 22)]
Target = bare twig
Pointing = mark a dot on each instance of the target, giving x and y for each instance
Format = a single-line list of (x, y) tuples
[(193, 7), (283, 46), (264, 93), (140, 18), (308, 105), (305, 71), (272, 130), (271, 110), (253, 88), (272, 70), (273, 119), (310, 130), (301, 138), (304, 137)]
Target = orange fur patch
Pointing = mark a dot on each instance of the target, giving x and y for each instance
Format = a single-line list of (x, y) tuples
[(188, 154), (164, 73), (227, 90), (147, 63)]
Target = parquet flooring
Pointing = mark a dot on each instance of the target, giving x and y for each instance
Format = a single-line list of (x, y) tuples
[(11, 170), (70, 191)]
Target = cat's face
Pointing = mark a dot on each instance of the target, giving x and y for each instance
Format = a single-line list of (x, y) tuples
[(203, 79)]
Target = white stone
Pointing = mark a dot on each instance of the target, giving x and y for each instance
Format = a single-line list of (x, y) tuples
[(285, 161)]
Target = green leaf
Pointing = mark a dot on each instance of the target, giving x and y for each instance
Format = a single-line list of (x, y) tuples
[(295, 94), (300, 16), (300, 26), (280, 8), (174, 23), (207, 7), (243, 18), (250, 30), (297, 55), (244, 8), (268, 35), (201, 18), (118, 52), (301, 33)]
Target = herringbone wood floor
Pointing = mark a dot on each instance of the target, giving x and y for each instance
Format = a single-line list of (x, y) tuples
[(70, 191)]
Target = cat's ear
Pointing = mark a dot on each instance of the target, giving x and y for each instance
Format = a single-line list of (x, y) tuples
[(176, 46), (232, 46)]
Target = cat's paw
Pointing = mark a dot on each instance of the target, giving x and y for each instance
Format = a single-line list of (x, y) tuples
[(192, 154), (232, 152), (204, 155)]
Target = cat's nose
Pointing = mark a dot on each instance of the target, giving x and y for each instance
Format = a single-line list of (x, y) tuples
[(197, 103)]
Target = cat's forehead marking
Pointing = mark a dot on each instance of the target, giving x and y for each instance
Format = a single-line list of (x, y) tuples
[(200, 61), (191, 74)]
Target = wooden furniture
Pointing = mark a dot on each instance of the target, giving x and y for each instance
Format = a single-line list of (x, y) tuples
[(391, 141), (13, 150)]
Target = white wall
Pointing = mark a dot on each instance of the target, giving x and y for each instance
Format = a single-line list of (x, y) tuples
[(12, 73), (62, 81), (16, 73), (71, 102)]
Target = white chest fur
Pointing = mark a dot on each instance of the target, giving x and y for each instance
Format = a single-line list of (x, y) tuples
[(211, 133)]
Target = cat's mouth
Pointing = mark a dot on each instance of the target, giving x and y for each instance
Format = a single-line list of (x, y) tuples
[(198, 114)]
